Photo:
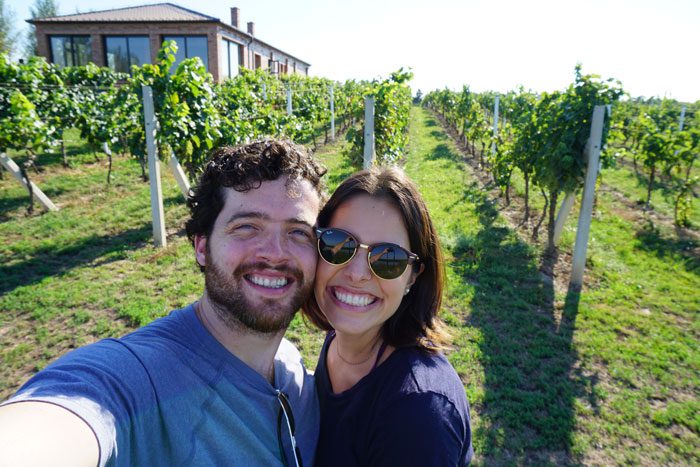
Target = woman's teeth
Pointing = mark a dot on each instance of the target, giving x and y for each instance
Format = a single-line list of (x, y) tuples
[(354, 300)]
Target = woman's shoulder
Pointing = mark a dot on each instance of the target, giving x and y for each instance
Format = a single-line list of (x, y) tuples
[(425, 407), (417, 371)]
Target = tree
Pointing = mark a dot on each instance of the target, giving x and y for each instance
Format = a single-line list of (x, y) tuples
[(419, 97), (7, 34), (41, 9)]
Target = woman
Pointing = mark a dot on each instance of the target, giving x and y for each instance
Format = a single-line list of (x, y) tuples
[(387, 394)]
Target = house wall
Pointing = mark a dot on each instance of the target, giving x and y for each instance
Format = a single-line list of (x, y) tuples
[(155, 31)]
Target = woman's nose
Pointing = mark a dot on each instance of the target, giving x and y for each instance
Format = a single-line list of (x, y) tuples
[(357, 269)]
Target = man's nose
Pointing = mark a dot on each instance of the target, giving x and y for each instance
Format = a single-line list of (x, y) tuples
[(273, 248)]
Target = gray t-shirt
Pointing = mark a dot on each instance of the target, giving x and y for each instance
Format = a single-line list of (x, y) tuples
[(170, 394)]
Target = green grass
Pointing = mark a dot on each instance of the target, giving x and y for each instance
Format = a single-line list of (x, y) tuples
[(633, 185), (558, 377), (605, 377)]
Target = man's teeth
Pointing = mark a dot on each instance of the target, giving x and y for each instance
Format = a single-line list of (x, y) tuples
[(354, 300), (270, 283)]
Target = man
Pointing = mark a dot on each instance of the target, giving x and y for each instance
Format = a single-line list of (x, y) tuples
[(213, 383)]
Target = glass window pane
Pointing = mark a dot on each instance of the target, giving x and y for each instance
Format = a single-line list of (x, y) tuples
[(117, 58), (58, 50), (139, 51), (224, 62), (235, 54), (197, 47), (82, 48), (180, 54), (68, 51)]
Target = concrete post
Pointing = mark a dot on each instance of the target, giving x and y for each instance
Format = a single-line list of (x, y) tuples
[(180, 176), (584, 219), (154, 169), (495, 124), (368, 158), (332, 114), (13, 168)]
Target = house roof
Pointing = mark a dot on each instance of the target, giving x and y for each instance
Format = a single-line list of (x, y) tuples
[(158, 12), (154, 13)]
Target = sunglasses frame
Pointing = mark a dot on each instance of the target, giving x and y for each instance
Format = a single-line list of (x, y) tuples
[(412, 257)]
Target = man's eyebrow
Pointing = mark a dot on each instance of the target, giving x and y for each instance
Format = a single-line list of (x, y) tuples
[(298, 220), (247, 215), (263, 216)]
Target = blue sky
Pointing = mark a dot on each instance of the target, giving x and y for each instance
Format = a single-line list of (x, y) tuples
[(650, 45)]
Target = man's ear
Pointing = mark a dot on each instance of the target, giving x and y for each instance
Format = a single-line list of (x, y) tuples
[(200, 249)]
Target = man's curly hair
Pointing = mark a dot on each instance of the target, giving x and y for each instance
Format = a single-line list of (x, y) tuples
[(244, 168)]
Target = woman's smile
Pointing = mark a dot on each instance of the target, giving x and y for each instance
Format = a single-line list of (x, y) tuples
[(354, 300)]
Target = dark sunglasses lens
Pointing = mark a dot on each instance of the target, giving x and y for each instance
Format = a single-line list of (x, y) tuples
[(336, 246), (388, 261)]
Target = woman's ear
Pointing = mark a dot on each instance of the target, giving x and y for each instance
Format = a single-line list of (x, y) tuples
[(200, 249), (414, 276)]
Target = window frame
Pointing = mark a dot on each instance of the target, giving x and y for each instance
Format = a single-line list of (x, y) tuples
[(227, 43), (73, 51), (128, 47), (205, 60)]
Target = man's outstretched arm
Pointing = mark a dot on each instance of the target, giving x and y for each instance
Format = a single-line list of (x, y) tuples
[(40, 433)]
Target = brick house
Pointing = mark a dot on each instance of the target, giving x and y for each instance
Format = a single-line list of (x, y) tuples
[(123, 37)]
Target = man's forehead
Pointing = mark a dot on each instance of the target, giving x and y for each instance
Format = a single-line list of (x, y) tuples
[(280, 193)]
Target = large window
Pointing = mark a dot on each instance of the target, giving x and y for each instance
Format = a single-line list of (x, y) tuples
[(188, 47), (71, 50), (230, 58), (124, 51)]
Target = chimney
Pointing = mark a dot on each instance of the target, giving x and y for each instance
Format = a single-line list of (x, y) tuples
[(235, 17), (251, 28)]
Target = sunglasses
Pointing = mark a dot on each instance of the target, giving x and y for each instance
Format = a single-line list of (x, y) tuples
[(386, 260), (286, 409)]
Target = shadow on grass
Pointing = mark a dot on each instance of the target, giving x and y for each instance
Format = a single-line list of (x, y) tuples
[(437, 134), (11, 203), (77, 152), (442, 151), (680, 250), (663, 184), (531, 381), (53, 262)]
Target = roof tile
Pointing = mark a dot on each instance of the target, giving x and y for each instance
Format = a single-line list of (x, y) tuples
[(153, 13)]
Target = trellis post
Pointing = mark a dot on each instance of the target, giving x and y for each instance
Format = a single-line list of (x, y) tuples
[(495, 123), (368, 158), (584, 218), (153, 168), (13, 168), (332, 114)]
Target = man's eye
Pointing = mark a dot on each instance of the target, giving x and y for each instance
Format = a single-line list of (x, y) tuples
[(301, 233), (244, 228)]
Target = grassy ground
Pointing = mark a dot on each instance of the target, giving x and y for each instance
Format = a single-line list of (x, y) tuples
[(605, 377)]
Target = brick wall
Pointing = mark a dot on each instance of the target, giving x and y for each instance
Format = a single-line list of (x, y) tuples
[(155, 32)]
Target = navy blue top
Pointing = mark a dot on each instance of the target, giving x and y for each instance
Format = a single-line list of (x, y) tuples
[(410, 410)]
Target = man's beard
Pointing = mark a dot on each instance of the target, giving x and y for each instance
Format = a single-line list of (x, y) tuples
[(235, 309)]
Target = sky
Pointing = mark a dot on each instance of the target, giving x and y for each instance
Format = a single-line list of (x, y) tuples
[(651, 46)]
